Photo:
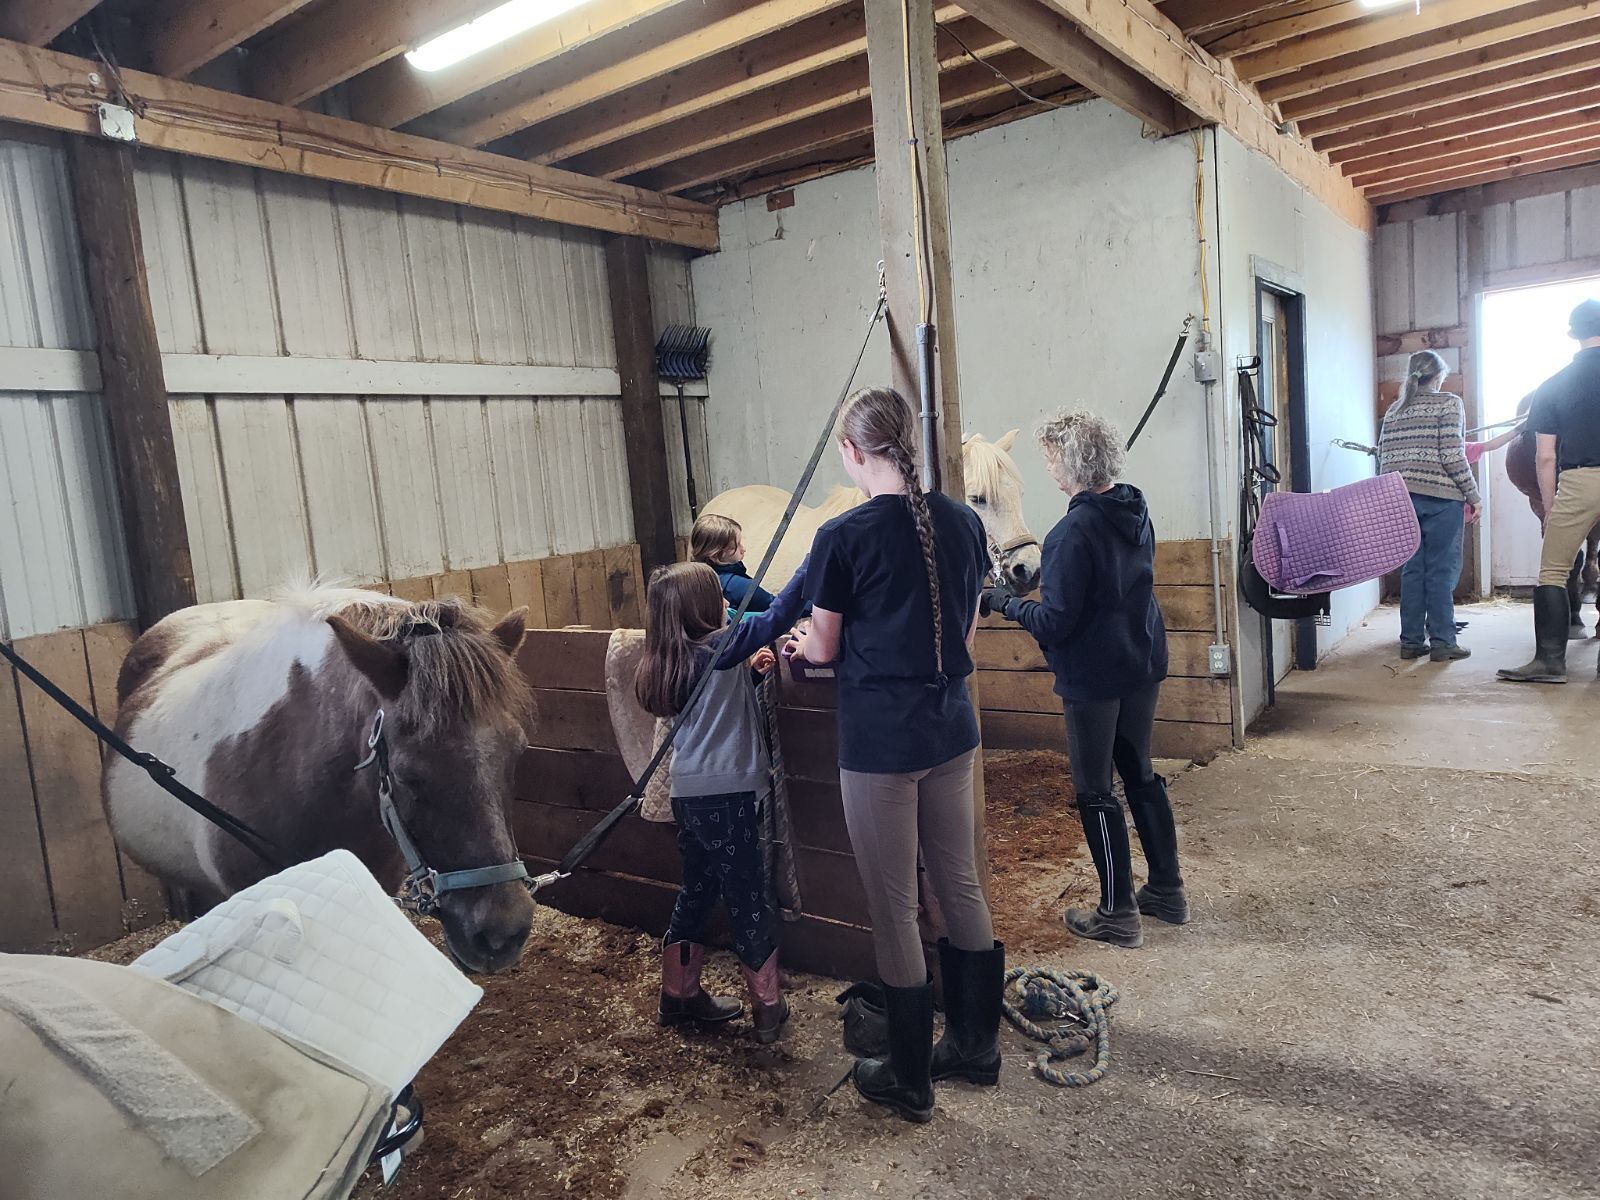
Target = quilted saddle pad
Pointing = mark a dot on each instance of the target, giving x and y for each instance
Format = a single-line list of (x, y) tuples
[(1309, 542), (319, 955)]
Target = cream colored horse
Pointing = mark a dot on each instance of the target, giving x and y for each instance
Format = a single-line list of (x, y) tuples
[(994, 490)]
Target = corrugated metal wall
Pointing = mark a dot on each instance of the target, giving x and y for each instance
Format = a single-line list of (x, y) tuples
[(277, 486), (247, 262), (62, 561)]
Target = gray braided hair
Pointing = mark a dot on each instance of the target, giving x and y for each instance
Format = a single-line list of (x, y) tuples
[(878, 421)]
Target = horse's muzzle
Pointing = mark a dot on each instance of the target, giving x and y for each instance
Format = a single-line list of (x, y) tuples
[(486, 929)]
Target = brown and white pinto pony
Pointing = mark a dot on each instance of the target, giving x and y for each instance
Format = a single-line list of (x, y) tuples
[(1522, 469), (264, 707)]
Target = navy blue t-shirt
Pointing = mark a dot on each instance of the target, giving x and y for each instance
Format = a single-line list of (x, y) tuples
[(867, 565)]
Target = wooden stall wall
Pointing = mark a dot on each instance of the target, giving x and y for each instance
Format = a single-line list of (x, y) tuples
[(573, 773), (1194, 719)]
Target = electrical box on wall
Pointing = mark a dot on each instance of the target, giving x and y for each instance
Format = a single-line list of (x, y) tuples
[(1205, 366)]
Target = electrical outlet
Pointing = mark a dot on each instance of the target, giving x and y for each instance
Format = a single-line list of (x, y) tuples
[(1220, 660)]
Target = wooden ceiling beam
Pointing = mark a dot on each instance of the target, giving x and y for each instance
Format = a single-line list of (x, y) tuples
[(771, 108), (395, 93), (813, 134), (775, 59), (1475, 146), (1195, 17), (1284, 22), (1514, 166), (1485, 34), (1363, 30), (184, 35), (1554, 139), (529, 99), (1540, 79), (1137, 33), (40, 22), (1063, 44), (50, 90), (1473, 66), (341, 40), (1478, 118)]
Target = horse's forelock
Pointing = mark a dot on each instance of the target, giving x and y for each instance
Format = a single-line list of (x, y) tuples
[(459, 672), (986, 466)]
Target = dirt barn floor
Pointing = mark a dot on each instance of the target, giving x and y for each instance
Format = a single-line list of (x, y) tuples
[(1391, 988)]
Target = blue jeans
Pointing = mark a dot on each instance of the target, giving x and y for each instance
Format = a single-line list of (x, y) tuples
[(1428, 580)]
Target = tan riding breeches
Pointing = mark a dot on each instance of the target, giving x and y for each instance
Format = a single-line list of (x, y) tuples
[(1575, 512)]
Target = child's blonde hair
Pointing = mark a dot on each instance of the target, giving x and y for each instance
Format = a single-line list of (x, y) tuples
[(715, 539)]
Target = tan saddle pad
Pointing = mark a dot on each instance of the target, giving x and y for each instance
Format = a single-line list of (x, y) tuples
[(115, 1084)]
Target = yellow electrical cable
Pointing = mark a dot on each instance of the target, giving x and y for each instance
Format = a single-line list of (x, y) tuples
[(1200, 225)]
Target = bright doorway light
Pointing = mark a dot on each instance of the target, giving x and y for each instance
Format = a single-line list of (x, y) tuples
[(1526, 341), (495, 26)]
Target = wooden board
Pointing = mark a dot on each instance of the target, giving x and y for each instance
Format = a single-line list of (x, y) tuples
[(84, 875), (570, 659), (559, 581), (420, 588), (1205, 700), (592, 780), (452, 585), (491, 588), (1189, 561), (591, 590), (526, 583), (624, 588), (27, 920), (144, 899), (1188, 608), (571, 721), (1013, 649)]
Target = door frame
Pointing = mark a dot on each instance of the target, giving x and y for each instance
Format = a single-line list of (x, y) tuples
[(1287, 287)]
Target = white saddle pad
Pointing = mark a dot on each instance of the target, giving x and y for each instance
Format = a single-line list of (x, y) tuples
[(319, 955)]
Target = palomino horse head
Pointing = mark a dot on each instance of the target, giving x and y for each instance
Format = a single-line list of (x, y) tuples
[(454, 706), (994, 490)]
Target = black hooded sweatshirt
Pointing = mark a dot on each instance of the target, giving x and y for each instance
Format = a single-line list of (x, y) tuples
[(1097, 619)]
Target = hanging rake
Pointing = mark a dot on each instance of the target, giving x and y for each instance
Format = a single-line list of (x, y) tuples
[(682, 355)]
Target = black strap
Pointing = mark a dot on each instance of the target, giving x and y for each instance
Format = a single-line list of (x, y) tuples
[(592, 840), (1161, 388), (163, 776)]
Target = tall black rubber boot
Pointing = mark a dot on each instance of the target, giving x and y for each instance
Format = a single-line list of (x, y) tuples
[(866, 1025), (1551, 613), (1162, 896), (903, 1081), (1116, 920), (973, 983)]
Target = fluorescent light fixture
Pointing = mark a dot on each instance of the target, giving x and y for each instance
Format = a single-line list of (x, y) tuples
[(495, 26), (1383, 3)]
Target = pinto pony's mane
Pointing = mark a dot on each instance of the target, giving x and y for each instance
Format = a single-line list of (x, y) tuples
[(986, 466), (459, 672)]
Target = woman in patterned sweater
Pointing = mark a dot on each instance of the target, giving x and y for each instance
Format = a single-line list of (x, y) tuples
[(1423, 439)]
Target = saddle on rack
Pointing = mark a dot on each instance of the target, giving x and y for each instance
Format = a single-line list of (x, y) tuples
[(1311, 542)]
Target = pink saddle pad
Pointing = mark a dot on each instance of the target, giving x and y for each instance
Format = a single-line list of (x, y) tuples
[(1308, 542)]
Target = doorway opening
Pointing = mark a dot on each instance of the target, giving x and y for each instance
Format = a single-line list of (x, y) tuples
[(1281, 343), (1524, 343)]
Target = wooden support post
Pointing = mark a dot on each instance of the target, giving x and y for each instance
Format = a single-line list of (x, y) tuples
[(643, 430), (132, 384), (913, 203)]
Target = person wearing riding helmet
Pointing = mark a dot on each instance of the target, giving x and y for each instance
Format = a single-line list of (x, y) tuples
[(1102, 634), (894, 583)]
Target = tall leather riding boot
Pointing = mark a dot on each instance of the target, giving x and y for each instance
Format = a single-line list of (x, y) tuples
[(682, 997), (1162, 896), (1116, 920), (974, 981), (866, 1025), (768, 1009), (1551, 612), (903, 1081)]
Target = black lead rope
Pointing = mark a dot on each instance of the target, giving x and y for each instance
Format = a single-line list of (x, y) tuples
[(591, 841), (1161, 388), (160, 773)]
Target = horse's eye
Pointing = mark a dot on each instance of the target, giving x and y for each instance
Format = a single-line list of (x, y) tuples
[(977, 500)]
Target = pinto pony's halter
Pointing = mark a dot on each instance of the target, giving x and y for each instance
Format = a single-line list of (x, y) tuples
[(423, 885)]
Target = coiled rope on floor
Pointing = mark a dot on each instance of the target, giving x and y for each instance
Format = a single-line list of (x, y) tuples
[(1079, 999)]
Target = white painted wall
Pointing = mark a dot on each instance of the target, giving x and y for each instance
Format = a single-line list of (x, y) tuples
[(1264, 215), (1075, 265)]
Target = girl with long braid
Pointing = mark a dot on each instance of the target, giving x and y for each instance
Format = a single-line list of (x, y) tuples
[(894, 585)]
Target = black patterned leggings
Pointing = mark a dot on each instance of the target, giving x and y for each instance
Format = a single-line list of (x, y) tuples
[(719, 839)]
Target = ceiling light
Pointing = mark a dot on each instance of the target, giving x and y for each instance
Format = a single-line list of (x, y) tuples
[(495, 26), (1388, 3)]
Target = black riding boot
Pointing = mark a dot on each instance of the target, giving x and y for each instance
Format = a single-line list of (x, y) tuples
[(866, 1025), (1551, 613), (1116, 920), (973, 983), (1162, 896), (902, 1081)]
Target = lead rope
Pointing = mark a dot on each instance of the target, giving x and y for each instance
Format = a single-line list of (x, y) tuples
[(1078, 999)]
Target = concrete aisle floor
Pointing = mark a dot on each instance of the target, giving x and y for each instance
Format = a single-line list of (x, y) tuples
[(1391, 986)]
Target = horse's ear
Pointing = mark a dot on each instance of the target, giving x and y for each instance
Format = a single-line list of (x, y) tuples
[(508, 632), (384, 665), (1006, 442)]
